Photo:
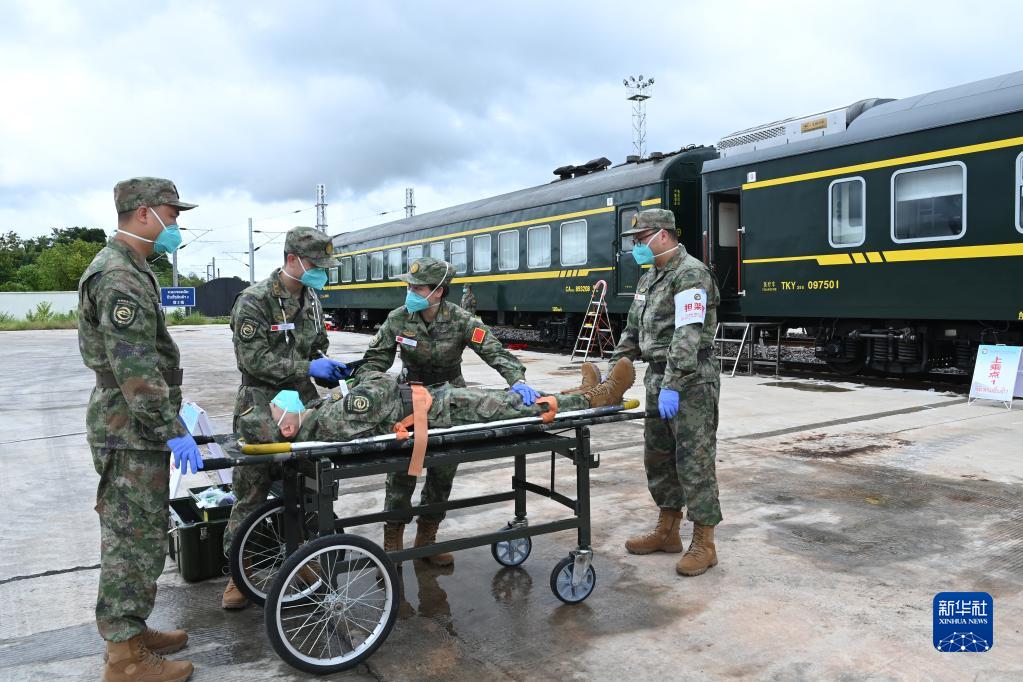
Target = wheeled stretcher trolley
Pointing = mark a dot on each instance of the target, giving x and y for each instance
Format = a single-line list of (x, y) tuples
[(331, 598)]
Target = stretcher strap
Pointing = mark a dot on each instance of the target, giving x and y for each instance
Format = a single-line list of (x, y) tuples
[(552, 407), (421, 402)]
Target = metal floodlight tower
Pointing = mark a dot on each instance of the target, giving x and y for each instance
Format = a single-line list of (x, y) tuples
[(410, 202), (636, 92), (321, 208)]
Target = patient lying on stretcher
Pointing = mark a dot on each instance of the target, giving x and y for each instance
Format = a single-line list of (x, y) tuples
[(376, 404)]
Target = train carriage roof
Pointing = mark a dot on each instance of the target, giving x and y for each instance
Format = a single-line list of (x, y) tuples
[(648, 171), (968, 102)]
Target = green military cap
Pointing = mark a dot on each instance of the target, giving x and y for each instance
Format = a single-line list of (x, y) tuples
[(651, 219), (431, 271), (308, 242), (130, 194)]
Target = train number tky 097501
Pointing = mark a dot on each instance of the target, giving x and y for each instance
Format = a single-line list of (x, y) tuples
[(814, 284)]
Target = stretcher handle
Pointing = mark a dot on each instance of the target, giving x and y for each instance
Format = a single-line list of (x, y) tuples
[(265, 448)]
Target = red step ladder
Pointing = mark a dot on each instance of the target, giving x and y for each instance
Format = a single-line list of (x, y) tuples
[(596, 337)]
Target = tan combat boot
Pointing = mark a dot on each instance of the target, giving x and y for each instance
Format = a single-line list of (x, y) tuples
[(591, 377), (131, 661), (426, 534), (663, 538), (164, 642), (233, 597), (701, 554), (619, 380)]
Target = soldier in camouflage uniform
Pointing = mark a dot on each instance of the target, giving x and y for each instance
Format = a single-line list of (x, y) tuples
[(132, 418), (671, 325), (280, 342), (431, 339), (468, 300)]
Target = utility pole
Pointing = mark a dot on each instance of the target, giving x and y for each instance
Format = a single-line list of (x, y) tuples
[(636, 92), (410, 202), (321, 208), (174, 268), (252, 257)]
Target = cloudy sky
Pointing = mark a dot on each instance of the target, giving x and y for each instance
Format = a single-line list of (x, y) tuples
[(248, 105)]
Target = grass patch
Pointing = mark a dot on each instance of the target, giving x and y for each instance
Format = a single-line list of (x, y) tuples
[(43, 317), (177, 318)]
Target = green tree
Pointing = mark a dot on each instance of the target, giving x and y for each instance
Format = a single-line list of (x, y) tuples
[(12, 254), (61, 266)]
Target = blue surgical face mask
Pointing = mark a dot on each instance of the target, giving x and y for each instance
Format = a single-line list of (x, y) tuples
[(288, 401), (643, 253), (167, 241), (314, 278), (415, 303)]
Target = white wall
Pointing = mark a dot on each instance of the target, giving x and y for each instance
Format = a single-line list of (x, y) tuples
[(18, 303)]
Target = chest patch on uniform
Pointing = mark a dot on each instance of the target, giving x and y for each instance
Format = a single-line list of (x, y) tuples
[(411, 343), (640, 297), (357, 404), (123, 312), (690, 307), (282, 327), (478, 334), (247, 330)]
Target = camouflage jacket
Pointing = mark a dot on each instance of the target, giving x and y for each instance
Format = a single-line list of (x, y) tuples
[(436, 348), (121, 330), (469, 301), (667, 324), (275, 359)]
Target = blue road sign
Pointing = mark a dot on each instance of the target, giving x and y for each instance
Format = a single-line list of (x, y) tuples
[(177, 297)]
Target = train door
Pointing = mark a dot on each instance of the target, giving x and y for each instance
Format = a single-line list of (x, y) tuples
[(725, 223), (627, 270)]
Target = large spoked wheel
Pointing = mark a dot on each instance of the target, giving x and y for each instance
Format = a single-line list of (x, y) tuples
[(349, 614), (258, 549), (561, 582), (511, 552)]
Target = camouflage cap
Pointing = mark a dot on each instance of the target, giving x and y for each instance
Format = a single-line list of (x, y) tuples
[(308, 242), (130, 194), (430, 271), (652, 219)]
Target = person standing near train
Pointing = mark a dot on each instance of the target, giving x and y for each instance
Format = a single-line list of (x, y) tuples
[(468, 300), (671, 325), (431, 334), (280, 342)]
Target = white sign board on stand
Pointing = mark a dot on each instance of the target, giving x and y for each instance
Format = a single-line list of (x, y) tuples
[(996, 374), (198, 424)]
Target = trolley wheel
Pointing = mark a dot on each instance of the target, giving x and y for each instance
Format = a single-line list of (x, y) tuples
[(561, 582), (346, 618), (258, 549), (511, 552)]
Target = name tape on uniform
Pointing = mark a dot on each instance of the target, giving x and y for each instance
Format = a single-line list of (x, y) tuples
[(641, 297), (282, 327), (411, 343), (690, 307)]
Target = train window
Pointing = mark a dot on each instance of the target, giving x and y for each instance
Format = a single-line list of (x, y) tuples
[(361, 271), (346, 269), (415, 252), (458, 255), (437, 251), (508, 250), (393, 263), (573, 242), (929, 203), (481, 253), (846, 198), (625, 223), (1019, 192), (376, 265), (332, 275), (538, 246)]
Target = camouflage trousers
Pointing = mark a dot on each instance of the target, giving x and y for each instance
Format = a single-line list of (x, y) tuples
[(251, 486), (131, 501), (455, 406), (679, 455)]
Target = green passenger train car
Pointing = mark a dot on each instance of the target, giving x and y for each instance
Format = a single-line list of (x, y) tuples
[(891, 229), (532, 256)]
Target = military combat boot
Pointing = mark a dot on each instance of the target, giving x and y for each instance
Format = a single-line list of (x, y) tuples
[(701, 554), (426, 534), (591, 377), (663, 538), (620, 379), (394, 540), (164, 642), (131, 661), (233, 597)]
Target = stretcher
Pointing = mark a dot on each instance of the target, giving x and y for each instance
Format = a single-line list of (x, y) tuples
[(331, 598)]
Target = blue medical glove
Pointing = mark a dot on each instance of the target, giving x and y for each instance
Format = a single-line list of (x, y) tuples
[(186, 453), (667, 403), (327, 369), (529, 396)]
